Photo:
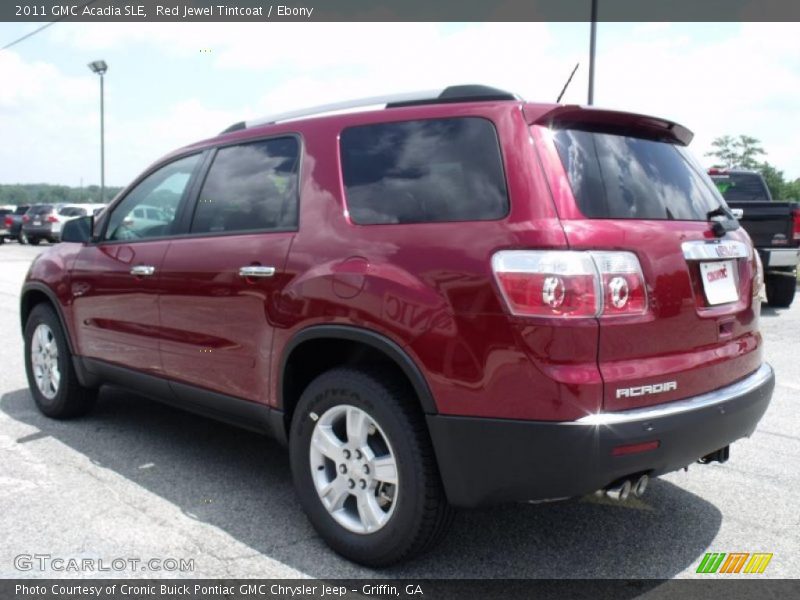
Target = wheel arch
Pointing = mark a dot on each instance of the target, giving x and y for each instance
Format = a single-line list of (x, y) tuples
[(35, 293), (317, 337)]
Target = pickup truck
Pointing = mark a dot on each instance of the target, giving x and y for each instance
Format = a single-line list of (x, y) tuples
[(773, 226)]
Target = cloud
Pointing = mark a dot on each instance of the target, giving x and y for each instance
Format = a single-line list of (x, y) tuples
[(743, 79)]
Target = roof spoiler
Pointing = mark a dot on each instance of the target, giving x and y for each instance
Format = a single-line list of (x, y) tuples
[(615, 122)]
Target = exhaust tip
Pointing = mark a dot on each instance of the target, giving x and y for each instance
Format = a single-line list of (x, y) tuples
[(641, 486), (619, 492)]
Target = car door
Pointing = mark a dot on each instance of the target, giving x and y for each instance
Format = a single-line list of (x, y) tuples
[(221, 283), (114, 281)]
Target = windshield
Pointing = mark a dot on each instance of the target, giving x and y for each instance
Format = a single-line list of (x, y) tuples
[(622, 177)]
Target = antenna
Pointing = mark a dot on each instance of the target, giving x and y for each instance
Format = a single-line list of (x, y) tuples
[(566, 85)]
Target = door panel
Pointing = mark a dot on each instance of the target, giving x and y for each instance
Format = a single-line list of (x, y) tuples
[(115, 282), (115, 312), (220, 286), (216, 326)]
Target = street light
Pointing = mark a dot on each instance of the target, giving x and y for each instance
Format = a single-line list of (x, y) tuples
[(100, 67)]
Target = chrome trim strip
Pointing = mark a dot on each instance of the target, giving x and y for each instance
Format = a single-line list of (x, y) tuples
[(785, 257), (256, 271), (702, 250), (668, 409)]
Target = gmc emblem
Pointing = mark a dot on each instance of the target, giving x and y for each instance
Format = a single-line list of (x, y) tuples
[(644, 390)]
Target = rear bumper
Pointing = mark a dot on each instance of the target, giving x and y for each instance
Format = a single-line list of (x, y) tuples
[(490, 461), (40, 231), (780, 257)]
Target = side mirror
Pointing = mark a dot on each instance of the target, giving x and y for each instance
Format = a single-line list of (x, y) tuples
[(78, 230)]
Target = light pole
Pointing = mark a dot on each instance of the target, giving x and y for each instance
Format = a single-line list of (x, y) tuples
[(100, 67), (592, 38)]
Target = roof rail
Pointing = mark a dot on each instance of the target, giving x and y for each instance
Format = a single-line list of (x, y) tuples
[(452, 94)]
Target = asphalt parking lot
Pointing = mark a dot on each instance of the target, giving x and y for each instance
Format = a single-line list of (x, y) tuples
[(136, 479)]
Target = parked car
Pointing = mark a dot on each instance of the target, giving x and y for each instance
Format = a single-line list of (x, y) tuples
[(4, 232), (13, 223), (44, 221), (458, 300), (773, 226)]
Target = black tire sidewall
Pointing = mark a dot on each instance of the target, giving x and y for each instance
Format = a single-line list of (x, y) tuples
[(55, 406), (349, 387), (781, 290)]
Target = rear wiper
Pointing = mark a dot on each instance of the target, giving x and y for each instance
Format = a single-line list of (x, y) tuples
[(720, 226)]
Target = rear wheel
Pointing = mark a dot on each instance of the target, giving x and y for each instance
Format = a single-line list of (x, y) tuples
[(364, 468), (34, 241), (22, 238), (48, 364), (781, 289)]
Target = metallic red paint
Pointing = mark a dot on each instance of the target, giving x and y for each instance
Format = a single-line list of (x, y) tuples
[(427, 287)]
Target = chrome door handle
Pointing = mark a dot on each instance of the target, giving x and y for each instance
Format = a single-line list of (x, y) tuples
[(142, 270), (256, 271)]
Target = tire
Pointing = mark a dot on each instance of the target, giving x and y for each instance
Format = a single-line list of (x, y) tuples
[(34, 241), (22, 238), (414, 511), (64, 398), (780, 290)]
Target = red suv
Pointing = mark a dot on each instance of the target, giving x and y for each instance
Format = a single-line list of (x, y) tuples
[(453, 300)]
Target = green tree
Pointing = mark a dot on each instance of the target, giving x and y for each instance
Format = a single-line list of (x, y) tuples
[(724, 151), (774, 179), (741, 151)]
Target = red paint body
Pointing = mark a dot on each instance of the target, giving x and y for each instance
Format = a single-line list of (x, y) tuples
[(428, 287)]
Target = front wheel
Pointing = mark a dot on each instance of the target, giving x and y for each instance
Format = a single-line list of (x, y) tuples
[(364, 468), (48, 364)]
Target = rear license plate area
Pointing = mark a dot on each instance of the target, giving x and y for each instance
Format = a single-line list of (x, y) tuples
[(719, 281)]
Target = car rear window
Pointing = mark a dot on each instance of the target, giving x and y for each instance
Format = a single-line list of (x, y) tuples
[(622, 177), (72, 211), (424, 171), (741, 187), (41, 209), (21, 210)]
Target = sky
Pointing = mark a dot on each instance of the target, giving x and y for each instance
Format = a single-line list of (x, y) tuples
[(170, 84)]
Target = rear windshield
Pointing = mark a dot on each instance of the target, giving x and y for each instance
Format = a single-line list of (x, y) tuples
[(424, 171), (621, 177), (72, 211), (741, 187), (41, 209), (21, 210)]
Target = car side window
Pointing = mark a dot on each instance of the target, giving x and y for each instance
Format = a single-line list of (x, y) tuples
[(250, 187), (160, 191)]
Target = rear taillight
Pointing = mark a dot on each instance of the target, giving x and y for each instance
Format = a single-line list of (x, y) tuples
[(570, 284), (25, 218), (758, 278), (9, 221), (52, 219), (796, 225)]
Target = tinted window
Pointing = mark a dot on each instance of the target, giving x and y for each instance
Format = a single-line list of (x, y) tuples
[(72, 211), (21, 210), (161, 190), (40, 209), (741, 187), (619, 177), (250, 187), (424, 171)]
